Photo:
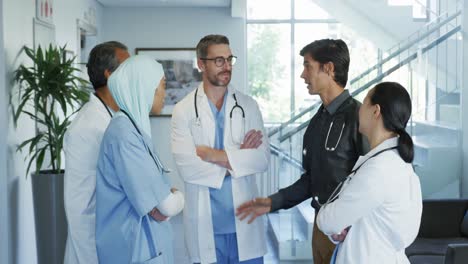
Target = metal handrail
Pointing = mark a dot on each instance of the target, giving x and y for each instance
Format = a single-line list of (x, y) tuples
[(381, 76), (405, 47), (294, 118), (277, 151), (376, 66)]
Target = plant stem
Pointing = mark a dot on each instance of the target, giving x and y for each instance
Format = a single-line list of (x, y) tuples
[(49, 139)]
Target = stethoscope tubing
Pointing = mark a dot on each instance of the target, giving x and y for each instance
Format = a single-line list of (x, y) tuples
[(339, 189), (236, 105), (156, 161), (339, 137)]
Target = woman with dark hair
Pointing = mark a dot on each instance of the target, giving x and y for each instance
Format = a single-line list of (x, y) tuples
[(375, 213)]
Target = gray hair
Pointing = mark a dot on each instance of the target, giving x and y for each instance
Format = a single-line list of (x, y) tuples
[(102, 57)]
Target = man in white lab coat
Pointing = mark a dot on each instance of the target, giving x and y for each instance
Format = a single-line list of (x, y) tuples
[(218, 146), (81, 145)]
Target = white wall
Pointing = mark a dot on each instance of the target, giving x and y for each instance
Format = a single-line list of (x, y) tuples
[(17, 32), (67, 13), (4, 230), (176, 28)]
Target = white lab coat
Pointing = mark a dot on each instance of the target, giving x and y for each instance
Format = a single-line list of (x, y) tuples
[(199, 175), (81, 146), (382, 203)]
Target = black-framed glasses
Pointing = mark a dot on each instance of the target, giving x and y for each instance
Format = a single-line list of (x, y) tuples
[(219, 61)]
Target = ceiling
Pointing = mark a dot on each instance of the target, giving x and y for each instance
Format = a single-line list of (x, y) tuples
[(167, 3)]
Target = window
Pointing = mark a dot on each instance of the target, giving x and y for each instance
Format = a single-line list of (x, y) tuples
[(269, 68), (269, 9), (276, 32)]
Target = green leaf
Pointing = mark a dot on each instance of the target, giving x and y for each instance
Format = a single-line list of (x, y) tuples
[(29, 52), (24, 143), (40, 159), (34, 142), (19, 110), (31, 159), (49, 83)]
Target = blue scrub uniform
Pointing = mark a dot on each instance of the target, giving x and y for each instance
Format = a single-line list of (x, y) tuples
[(129, 185), (222, 205)]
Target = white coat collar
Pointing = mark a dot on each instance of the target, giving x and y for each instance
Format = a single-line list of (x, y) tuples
[(203, 105), (93, 99), (206, 115), (389, 143)]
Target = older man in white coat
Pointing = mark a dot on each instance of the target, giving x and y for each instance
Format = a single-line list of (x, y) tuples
[(218, 160), (82, 141)]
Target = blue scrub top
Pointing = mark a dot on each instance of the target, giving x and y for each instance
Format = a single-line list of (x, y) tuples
[(128, 186), (222, 205)]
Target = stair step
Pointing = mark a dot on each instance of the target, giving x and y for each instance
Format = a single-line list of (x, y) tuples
[(291, 244), (434, 141), (307, 211), (436, 124), (287, 225)]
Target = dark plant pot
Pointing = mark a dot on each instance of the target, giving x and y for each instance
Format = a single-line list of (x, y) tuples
[(49, 214)]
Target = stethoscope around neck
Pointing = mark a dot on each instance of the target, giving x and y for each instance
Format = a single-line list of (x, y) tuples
[(333, 148), (339, 189), (156, 159), (236, 105)]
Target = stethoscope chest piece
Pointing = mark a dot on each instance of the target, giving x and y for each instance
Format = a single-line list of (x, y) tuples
[(336, 131), (197, 122)]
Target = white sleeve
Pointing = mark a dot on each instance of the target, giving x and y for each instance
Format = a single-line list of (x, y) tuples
[(81, 155), (250, 161), (364, 192), (172, 205), (192, 169)]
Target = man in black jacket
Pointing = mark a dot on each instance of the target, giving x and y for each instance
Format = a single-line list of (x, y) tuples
[(332, 142)]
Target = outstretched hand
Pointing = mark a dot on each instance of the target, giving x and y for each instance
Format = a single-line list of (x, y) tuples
[(255, 208)]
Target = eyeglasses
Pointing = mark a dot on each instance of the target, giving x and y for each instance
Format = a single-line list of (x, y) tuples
[(219, 61)]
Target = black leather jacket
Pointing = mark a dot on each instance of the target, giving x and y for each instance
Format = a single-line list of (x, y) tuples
[(331, 146)]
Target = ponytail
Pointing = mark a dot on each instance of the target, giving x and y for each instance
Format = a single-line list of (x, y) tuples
[(395, 107), (405, 146)]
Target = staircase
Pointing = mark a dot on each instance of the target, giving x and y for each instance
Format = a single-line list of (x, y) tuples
[(416, 62), (380, 22)]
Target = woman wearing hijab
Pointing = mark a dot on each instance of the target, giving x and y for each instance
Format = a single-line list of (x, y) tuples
[(131, 187), (376, 213)]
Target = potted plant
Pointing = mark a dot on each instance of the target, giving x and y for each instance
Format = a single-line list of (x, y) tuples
[(49, 92)]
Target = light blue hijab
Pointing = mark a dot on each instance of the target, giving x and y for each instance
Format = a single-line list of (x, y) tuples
[(133, 85)]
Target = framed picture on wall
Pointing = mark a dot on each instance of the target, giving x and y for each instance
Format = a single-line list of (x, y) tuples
[(180, 69)]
